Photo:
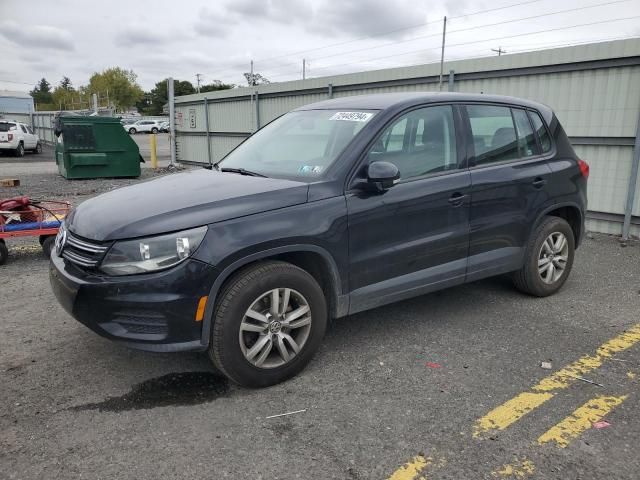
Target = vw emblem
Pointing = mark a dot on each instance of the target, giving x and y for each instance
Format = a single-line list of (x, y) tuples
[(275, 326), (61, 239)]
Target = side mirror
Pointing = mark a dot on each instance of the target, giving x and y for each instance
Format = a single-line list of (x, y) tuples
[(382, 175)]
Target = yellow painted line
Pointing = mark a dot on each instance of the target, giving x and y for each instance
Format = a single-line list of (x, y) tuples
[(501, 417), (519, 469), (580, 420), (411, 469), (511, 411)]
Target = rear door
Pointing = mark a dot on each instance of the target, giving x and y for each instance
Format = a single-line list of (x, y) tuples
[(28, 139), (509, 178), (412, 238)]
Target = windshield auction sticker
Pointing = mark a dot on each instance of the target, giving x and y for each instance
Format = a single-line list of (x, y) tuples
[(352, 116)]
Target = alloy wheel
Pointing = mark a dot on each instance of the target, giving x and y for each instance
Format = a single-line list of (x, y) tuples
[(553, 257), (275, 328)]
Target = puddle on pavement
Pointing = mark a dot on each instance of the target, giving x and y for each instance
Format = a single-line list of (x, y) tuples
[(174, 389)]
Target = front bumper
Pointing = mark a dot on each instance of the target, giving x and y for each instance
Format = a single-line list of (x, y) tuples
[(154, 312)]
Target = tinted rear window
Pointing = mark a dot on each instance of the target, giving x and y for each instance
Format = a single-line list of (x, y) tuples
[(543, 134), (5, 127)]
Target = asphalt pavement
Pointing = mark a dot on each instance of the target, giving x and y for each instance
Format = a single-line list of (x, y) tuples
[(444, 386)]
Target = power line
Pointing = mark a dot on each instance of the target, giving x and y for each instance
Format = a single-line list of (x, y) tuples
[(483, 40), (388, 32), (422, 37)]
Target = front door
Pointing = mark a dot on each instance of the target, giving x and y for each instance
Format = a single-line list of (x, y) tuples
[(509, 178), (412, 238)]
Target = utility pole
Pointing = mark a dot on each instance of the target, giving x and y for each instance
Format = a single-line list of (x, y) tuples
[(172, 121), (198, 75), (444, 33), (251, 79), (498, 50), (304, 69)]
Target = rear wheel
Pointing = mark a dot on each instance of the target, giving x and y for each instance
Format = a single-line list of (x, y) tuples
[(548, 258), (20, 150), (154, 130), (132, 131), (4, 252), (47, 245), (268, 322)]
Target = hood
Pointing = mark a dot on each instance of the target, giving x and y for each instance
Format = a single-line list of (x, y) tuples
[(181, 201)]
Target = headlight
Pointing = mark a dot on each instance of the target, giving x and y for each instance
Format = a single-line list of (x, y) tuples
[(152, 253)]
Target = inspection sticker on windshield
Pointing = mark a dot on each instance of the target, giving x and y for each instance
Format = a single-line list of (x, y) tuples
[(352, 116)]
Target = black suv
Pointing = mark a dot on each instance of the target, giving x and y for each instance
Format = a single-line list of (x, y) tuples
[(332, 209)]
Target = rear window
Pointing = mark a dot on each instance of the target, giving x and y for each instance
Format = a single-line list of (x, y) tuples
[(5, 127), (543, 134)]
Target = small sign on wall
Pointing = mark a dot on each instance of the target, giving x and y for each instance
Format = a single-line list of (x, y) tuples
[(179, 119), (192, 118)]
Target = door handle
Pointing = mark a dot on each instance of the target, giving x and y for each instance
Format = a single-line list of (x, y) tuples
[(539, 182), (457, 199)]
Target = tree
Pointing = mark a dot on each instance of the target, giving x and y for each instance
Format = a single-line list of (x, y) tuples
[(119, 85), (66, 84), (254, 79), (215, 86), (152, 102), (42, 93)]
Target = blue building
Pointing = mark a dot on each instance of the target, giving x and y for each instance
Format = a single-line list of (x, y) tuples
[(15, 102)]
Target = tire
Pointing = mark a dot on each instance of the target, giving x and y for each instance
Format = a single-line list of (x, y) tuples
[(230, 349), (47, 245), (20, 150), (4, 252), (154, 130), (535, 278), (132, 131), (38, 148)]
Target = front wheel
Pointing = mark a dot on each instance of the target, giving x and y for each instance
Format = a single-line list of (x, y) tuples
[(47, 245), (548, 258), (268, 322), (4, 252), (154, 130), (132, 131)]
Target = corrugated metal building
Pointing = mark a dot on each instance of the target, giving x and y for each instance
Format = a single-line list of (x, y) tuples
[(594, 89), (15, 102)]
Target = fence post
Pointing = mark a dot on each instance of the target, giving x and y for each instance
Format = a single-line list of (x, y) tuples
[(452, 74), (633, 181), (172, 121), (257, 111), (330, 92), (206, 125)]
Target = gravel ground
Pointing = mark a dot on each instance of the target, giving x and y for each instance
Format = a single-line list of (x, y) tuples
[(402, 383)]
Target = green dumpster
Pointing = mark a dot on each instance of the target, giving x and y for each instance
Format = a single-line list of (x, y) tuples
[(95, 147)]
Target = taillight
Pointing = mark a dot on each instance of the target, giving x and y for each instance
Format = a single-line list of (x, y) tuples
[(584, 168), (10, 136)]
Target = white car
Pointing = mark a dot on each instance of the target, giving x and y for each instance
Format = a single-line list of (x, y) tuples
[(17, 137), (148, 126)]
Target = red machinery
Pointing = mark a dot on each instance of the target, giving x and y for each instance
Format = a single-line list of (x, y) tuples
[(24, 217)]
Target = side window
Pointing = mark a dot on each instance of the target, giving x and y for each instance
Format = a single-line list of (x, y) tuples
[(420, 142), (494, 134), (526, 139), (543, 134), (23, 128), (30, 131)]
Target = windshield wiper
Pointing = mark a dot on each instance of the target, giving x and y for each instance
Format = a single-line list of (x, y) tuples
[(242, 171)]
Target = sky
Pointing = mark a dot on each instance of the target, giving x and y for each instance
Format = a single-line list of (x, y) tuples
[(218, 39)]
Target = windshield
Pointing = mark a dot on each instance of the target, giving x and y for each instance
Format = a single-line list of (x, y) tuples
[(301, 144)]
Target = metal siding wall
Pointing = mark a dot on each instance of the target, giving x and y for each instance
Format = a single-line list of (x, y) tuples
[(610, 167), (597, 102)]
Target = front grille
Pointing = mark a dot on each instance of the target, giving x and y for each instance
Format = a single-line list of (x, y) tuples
[(82, 252)]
